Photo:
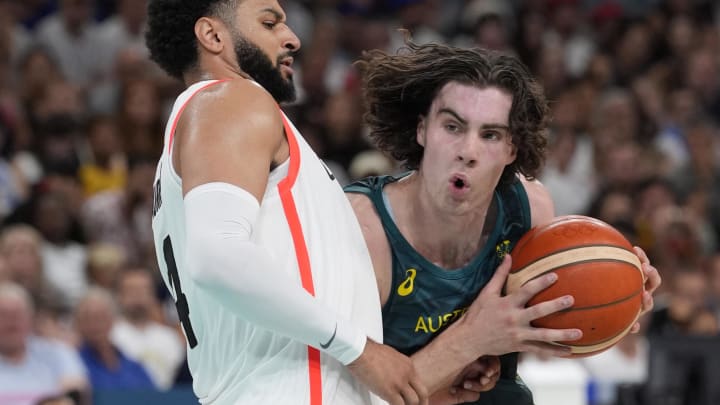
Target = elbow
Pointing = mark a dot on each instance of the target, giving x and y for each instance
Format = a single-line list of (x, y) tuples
[(199, 255)]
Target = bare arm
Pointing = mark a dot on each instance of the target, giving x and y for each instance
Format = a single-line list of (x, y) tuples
[(463, 342)]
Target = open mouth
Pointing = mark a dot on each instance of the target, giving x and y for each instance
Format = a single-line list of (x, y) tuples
[(458, 182)]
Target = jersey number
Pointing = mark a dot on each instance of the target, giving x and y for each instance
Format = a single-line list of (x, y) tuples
[(181, 303)]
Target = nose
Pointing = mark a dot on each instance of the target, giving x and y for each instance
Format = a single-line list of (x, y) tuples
[(468, 153), (291, 42), (466, 160)]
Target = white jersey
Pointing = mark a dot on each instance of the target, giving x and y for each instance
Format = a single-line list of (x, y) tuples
[(306, 222)]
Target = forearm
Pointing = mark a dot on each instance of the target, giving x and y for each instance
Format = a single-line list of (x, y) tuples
[(243, 278), (440, 361)]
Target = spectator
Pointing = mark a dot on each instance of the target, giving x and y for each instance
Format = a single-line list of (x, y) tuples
[(122, 217), (64, 260), (141, 334), (106, 166), (71, 37), (123, 30), (105, 262), (108, 367), (140, 118), (31, 367), (687, 309)]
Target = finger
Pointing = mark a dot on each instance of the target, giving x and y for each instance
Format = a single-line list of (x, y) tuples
[(410, 397), (546, 308), (635, 328), (461, 395), (496, 283), (648, 303), (549, 336), (493, 366), (488, 384), (641, 254), (652, 278), (471, 385), (547, 349), (533, 287), (419, 390), (475, 368), (395, 399)]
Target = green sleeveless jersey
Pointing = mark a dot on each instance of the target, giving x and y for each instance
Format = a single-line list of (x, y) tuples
[(424, 298)]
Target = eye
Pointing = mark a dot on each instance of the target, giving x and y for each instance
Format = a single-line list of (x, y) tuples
[(269, 24), (492, 135), (451, 127)]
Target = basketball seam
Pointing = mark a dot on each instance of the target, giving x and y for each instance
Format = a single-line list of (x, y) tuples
[(555, 252), (607, 304), (521, 276)]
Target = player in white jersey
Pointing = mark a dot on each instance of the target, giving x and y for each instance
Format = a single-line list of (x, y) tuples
[(255, 239)]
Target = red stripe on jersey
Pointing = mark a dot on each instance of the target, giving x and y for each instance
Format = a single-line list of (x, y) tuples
[(301, 253), (182, 108)]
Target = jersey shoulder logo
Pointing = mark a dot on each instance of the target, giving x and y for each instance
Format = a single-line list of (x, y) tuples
[(502, 249), (406, 287)]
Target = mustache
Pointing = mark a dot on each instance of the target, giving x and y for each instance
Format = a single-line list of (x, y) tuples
[(286, 55)]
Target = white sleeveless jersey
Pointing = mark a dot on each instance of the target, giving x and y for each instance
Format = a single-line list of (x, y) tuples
[(305, 221)]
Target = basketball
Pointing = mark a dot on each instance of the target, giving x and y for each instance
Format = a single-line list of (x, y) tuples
[(595, 264)]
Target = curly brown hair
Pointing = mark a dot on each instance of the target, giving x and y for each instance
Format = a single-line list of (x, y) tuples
[(399, 88)]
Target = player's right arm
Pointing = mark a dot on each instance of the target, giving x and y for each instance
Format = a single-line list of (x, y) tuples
[(226, 143)]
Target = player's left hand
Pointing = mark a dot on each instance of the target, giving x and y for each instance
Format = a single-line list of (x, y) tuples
[(479, 376), (652, 282)]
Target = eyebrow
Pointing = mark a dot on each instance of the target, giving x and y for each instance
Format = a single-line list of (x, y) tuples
[(278, 15), (496, 126), (452, 112)]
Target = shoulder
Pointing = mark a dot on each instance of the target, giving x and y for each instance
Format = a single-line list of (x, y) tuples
[(542, 208), (363, 207), (245, 101), (54, 352), (370, 223), (377, 242), (233, 108)]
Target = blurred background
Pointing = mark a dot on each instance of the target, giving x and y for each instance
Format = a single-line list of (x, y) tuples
[(634, 86)]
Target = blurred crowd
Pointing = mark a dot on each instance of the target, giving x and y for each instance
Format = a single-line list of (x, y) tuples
[(634, 86)]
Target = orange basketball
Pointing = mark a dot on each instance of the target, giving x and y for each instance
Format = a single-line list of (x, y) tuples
[(596, 265)]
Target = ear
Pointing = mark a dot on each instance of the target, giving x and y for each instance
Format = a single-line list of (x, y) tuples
[(421, 133), (211, 34), (513, 153)]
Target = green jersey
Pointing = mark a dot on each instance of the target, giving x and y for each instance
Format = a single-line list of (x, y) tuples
[(424, 298)]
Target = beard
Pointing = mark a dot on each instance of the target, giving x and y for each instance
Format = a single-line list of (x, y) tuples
[(253, 61)]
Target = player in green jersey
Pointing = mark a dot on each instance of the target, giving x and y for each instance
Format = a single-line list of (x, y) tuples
[(469, 125)]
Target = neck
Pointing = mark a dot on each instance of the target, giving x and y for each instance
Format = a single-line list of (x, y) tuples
[(208, 71), (447, 239)]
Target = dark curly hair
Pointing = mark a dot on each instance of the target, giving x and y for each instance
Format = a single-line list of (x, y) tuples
[(399, 88), (170, 35)]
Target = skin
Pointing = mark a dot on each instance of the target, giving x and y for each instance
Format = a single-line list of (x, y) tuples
[(16, 321), (447, 227), (215, 141)]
